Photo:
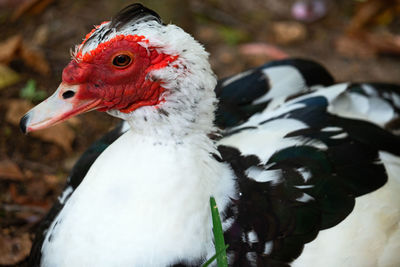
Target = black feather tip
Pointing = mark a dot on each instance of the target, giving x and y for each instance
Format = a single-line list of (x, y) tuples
[(133, 14)]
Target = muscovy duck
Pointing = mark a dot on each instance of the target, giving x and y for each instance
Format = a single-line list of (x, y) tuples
[(304, 172)]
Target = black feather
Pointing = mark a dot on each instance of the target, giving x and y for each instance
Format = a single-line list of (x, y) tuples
[(133, 14), (312, 72), (236, 98), (349, 167)]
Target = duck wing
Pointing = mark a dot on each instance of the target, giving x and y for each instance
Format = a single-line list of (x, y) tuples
[(242, 95), (300, 166)]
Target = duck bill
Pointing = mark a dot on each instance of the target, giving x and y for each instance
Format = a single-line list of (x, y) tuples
[(63, 104)]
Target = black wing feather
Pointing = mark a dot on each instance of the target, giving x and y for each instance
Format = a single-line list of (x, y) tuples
[(349, 167), (234, 107), (237, 93), (338, 174)]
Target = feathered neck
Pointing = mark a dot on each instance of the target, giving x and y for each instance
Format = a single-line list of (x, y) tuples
[(189, 99)]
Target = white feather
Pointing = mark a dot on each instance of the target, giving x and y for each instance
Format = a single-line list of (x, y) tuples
[(167, 163), (262, 175), (305, 173), (369, 236), (65, 194), (305, 198), (283, 81), (331, 129), (111, 206), (339, 136), (267, 138), (145, 200), (368, 108), (252, 237), (268, 247)]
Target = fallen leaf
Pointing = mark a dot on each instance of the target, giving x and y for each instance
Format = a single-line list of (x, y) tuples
[(10, 3), (14, 249), (384, 43), (262, 49), (52, 181), (34, 195), (35, 58), (70, 161), (366, 44), (16, 108), (30, 6), (365, 13), (36, 190), (9, 48), (10, 170), (16, 197), (60, 134), (288, 32), (41, 35), (354, 48), (7, 76), (32, 56), (28, 174)]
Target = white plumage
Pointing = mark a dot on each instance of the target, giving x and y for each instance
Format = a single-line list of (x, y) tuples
[(145, 199)]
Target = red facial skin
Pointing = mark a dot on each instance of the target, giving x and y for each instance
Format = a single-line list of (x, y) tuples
[(121, 88)]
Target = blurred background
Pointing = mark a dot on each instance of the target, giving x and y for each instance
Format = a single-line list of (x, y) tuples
[(354, 40)]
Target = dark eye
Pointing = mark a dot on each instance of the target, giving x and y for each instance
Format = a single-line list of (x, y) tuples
[(121, 61)]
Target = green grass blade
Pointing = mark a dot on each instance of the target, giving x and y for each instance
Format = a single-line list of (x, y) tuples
[(220, 247), (207, 263)]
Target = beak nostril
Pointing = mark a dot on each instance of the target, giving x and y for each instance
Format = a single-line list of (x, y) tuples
[(68, 94)]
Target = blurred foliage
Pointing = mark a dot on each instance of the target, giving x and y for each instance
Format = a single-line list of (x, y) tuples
[(7, 76), (232, 36), (30, 92)]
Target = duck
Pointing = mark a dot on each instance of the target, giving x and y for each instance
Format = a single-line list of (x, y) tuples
[(304, 171)]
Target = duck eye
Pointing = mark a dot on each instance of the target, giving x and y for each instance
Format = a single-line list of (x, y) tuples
[(121, 61)]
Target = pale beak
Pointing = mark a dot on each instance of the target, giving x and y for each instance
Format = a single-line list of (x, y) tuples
[(63, 104)]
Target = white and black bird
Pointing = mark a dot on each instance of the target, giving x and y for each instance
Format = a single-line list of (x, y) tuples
[(304, 172)]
